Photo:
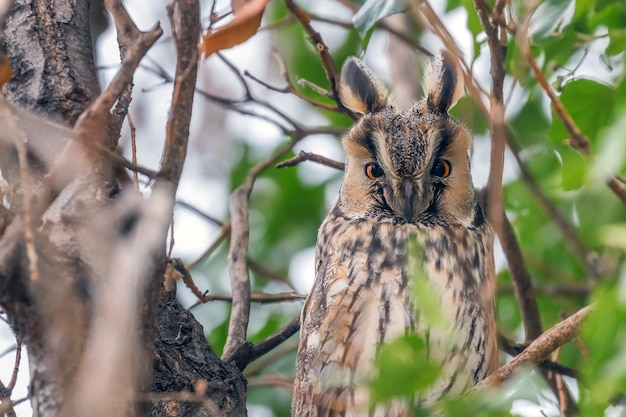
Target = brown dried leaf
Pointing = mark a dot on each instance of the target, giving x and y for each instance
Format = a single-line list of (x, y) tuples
[(246, 21), (5, 70), (237, 5)]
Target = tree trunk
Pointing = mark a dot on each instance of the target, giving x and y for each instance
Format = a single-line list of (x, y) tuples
[(62, 240)]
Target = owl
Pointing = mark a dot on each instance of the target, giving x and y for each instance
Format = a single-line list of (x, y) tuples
[(407, 229)]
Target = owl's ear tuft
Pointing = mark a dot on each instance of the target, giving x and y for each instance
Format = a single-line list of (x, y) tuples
[(444, 83), (359, 90)]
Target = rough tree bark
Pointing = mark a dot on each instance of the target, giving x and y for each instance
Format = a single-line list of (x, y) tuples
[(60, 239)]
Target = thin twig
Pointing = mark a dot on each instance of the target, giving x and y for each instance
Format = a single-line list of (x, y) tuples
[(566, 229), (289, 88), (309, 156), (16, 365), (223, 234), (273, 380), (127, 32), (425, 14), (133, 146), (237, 105), (580, 291), (325, 58), (618, 186), (577, 139), (7, 350), (199, 212)]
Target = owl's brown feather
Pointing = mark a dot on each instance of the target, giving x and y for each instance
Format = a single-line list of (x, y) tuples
[(416, 217)]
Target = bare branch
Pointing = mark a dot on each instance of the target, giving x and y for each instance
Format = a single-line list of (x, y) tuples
[(271, 357), (308, 156), (127, 32), (185, 22), (16, 365), (495, 206), (90, 124), (577, 139), (325, 58), (522, 282), (238, 269), (539, 349), (269, 343), (289, 88), (618, 185)]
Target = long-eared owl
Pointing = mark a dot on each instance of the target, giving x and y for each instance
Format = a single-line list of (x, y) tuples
[(407, 211)]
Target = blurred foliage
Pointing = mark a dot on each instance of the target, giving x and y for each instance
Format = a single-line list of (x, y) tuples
[(567, 36)]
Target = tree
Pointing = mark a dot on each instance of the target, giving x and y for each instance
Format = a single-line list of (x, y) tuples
[(87, 278)]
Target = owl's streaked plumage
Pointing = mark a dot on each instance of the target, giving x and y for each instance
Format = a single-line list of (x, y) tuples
[(407, 209)]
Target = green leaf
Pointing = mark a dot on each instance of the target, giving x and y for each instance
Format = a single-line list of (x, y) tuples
[(575, 168), (468, 111), (605, 335), (405, 359), (551, 16), (531, 124), (612, 16), (589, 103), (373, 11), (610, 155), (583, 7), (617, 42)]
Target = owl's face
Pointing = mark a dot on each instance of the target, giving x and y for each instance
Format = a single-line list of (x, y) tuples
[(408, 166)]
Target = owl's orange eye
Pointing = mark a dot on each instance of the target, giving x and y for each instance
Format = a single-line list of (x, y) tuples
[(373, 170), (442, 168)]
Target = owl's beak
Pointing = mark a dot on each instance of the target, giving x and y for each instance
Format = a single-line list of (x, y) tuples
[(412, 203)]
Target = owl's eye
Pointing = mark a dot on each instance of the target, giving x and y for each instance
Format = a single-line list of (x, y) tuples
[(373, 170), (442, 168)]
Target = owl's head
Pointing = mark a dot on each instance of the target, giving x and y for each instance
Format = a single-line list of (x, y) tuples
[(407, 166)]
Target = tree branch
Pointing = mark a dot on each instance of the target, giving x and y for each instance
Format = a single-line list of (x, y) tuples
[(539, 349), (90, 124), (269, 343), (238, 269), (495, 206), (309, 156), (185, 21)]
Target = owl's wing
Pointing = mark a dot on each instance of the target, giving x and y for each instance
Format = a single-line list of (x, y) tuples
[(338, 341), (314, 395)]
